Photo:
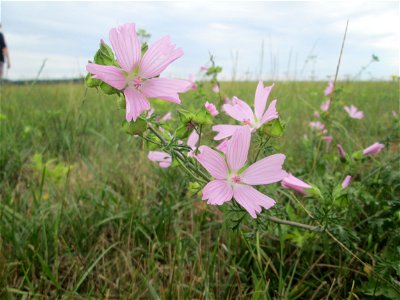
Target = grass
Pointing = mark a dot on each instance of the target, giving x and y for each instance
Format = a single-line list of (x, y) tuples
[(84, 214)]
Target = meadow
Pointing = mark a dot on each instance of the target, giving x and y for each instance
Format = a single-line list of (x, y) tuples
[(85, 215)]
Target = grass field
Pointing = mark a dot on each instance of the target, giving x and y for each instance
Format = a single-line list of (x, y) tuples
[(85, 215)]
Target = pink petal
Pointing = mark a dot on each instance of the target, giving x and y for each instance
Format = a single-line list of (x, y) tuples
[(346, 182), (163, 158), (109, 74), (167, 117), (270, 114), (217, 192), (158, 57), (251, 199), (291, 182), (265, 171), (325, 106), (238, 148), (240, 111), (165, 88), (260, 100), (193, 139), (136, 103), (126, 46), (223, 146), (213, 162), (373, 149), (224, 131)]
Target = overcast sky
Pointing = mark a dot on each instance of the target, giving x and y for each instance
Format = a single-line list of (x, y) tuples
[(67, 35)]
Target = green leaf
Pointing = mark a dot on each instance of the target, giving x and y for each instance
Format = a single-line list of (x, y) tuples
[(135, 128), (182, 132), (275, 128), (185, 116), (358, 155)]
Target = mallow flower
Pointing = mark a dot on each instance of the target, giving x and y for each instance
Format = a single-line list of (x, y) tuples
[(192, 142), (373, 149), (137, 75), (346, 182), (242, 112), (293, 183), (210, 107), (231, 180), (163, 158), (329, 88), (354, 112)]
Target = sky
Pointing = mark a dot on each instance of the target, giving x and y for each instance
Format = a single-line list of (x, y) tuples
[(250, 40)]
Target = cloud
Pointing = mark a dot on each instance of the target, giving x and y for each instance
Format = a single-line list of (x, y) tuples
[(69, 32)]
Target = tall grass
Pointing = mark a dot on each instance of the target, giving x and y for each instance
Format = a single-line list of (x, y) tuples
[(84, 214)]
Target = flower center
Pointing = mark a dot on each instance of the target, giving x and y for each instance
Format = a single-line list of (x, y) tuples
[(236, 179), (246, 121), (137, 82)]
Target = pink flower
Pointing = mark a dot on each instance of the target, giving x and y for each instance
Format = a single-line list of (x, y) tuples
[(346, 182), (242, 112), (167, 117), (316, 114), (204, 68), (353, 112), (192, 142), (211, 109), (137, 76), (341, 151), (373, 149), (163, 158), (317, 125), (215, 88), (329, 89), (231, 181), (325, 106), (223, 146), (193, 84), (293, 183), (227, 100), (328, 139)]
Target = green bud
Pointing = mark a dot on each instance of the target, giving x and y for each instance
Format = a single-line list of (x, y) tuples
[(275, 128), (108, 89), (315, 192), (194, 187), (203, 117), (91, 82), (104, 56), (358, 155), (182, 132), (135, 128), (185, 116)]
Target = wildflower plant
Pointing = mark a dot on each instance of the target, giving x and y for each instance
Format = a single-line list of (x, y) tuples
[(226, 149)]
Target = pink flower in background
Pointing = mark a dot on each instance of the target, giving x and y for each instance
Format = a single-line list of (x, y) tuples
[(341, 151), (211, 109), (293, 183), (328, 139), (167, 117), (192, 142), (316, 114), (373, 149), (354, 112), (223, 146), (204, 68), (329, 88), (163, 158), (317, 125), (231, 181), (346, 182), (242, 112), (193, 84), (215, 88), (325, 106), (394, 114), (137, 76)]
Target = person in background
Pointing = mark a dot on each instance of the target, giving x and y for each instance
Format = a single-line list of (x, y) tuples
[(3, 54)]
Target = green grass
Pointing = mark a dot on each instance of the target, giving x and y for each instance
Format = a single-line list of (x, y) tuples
[(84, 214)]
